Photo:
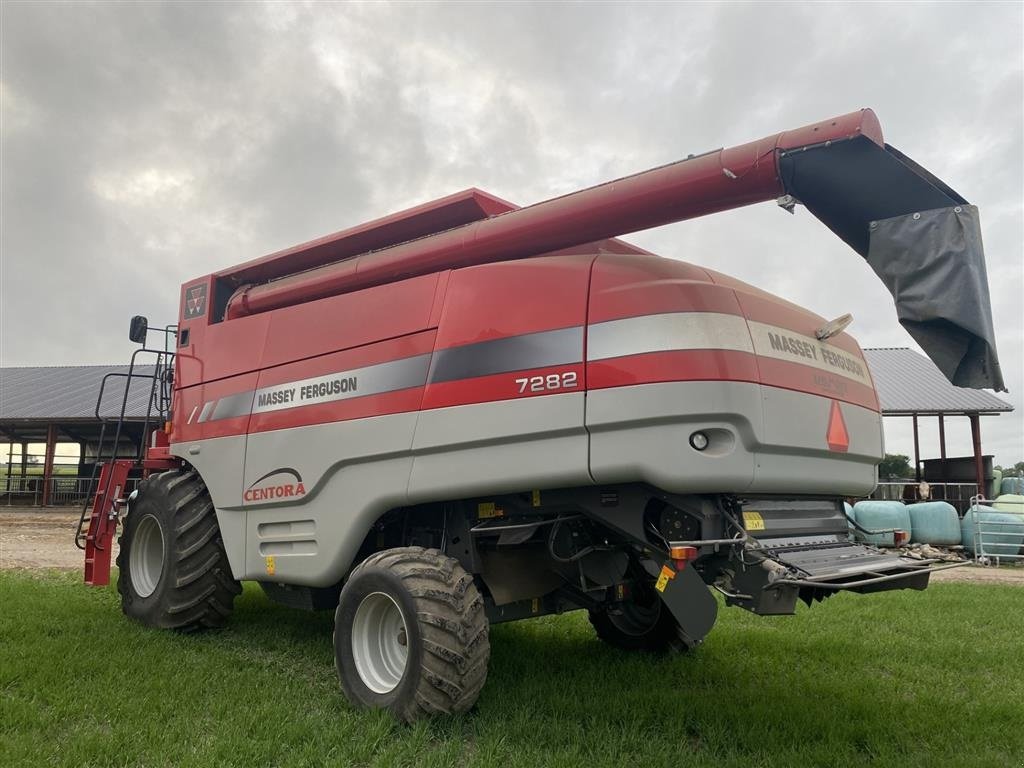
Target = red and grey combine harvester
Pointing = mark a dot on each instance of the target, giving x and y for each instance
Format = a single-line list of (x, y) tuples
[(469, 413)]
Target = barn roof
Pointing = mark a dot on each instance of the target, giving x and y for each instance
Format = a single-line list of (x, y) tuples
[(68, 392), (909, 383)]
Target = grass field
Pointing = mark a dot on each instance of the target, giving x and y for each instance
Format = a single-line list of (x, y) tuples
[(902, 679)]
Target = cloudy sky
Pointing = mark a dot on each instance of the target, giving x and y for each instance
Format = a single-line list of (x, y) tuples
[(146, 144)]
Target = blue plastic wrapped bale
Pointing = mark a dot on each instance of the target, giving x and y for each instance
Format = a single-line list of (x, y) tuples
[(934, 522), (1001, 533), (1011, 485), (1010, 502), (881, 514), (850, 517)]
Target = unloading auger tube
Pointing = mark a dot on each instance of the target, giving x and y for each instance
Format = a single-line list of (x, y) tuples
[(920, 237)]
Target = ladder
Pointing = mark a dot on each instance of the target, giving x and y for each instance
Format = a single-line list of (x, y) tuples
[(108, 501), (108, 496)]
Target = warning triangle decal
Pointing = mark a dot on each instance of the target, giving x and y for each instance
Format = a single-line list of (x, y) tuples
[(837, 437)]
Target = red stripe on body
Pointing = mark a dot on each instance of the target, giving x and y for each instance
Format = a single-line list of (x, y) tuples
[(673, 365), (803, 378), (726, 365), (194, 397)]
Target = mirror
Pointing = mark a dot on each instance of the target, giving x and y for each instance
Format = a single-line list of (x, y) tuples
[(137, 331)]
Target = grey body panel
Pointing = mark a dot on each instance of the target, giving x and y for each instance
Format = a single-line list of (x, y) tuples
[(500, 447), (220, 461), (353, 472), (762, 440)]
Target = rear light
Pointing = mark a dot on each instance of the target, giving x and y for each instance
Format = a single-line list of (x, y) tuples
[(901, 537), (682, 555)]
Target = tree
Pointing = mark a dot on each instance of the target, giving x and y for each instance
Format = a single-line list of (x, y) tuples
[(895, 466)]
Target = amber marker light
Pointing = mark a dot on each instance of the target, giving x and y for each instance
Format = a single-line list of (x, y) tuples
[(682, 555)]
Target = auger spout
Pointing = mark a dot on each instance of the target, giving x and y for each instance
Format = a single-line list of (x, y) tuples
[(920, 237)]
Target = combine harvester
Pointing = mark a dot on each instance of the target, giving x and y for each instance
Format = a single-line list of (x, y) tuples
[(469, 413)]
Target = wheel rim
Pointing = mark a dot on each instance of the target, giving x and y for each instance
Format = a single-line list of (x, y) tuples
[(380, 642), (146, 563)]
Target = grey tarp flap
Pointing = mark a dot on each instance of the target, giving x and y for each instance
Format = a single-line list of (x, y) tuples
[(934, 265)]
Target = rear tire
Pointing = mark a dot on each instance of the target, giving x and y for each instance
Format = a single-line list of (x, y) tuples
[(644, 624), (410, 635), (172, 569)]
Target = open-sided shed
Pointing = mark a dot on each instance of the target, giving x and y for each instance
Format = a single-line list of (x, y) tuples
[(910, 385), (54, 404)]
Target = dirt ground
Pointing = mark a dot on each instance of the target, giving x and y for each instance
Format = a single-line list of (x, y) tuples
[(31, 537), (35, 538)]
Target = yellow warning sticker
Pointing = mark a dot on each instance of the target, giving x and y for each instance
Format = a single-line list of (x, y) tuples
[(536, 498), (753, 521), (271, 566), (488, 509), (666, 575)]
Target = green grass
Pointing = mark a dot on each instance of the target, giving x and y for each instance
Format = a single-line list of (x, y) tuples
[(902, 679)]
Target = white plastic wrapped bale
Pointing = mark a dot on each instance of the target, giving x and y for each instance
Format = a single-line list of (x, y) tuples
[(875, 515)]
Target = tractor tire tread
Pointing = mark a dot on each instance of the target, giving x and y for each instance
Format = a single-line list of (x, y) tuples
[(453, 626), (196, 591)]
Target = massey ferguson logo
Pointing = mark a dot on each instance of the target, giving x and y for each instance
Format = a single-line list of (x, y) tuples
[(279, 490), (195, 301)]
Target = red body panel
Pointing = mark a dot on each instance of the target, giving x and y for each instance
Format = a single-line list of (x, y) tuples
[(676, 365), (489, 333), (514, 298)]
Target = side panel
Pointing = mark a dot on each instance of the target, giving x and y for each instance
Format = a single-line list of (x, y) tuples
[(220, 461), (532, 443), (795, 446), (504, 405), (641, 433), (672, 350), (350, 471), (761, 439)]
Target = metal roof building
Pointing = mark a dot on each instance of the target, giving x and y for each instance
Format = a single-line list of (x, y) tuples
[(909, 384), (58, 404)]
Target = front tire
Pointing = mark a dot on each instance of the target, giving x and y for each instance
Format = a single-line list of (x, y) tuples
[(411, 635), (172, 569)]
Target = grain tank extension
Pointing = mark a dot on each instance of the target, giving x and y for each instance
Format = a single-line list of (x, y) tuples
[(469, 412)]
